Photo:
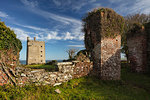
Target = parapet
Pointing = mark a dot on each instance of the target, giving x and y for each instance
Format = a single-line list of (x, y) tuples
[(28, 39)]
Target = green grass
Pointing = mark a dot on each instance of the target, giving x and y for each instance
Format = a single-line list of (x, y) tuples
[(46, 67), (132, 86)]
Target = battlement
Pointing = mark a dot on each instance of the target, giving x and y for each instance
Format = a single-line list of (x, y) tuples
[(28, 39)]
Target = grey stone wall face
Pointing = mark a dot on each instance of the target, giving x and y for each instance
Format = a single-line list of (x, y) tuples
[(35, 52)]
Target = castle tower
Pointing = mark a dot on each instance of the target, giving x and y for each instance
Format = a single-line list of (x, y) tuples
[(35, 51)]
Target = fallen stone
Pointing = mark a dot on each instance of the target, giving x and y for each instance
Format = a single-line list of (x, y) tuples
[(56, 84), (23, 75), (35, 71), (58, 91)]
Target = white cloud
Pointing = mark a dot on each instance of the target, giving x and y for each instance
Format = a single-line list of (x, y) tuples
[(77, 46), (53, 35), (131, 7), (33, 27), (60, 18), (68, 36), (3, 14), (74, 24), (21, 34), (30, 3)]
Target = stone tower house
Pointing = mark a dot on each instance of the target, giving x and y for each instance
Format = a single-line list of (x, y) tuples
[(35, 52)]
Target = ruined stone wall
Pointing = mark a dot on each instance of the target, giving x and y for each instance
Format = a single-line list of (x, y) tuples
[(110, 58), (9, 57), (67, 71), (76, 69), (137, 47), (102, 29), (35, 52), (3, 77), (106, 57)]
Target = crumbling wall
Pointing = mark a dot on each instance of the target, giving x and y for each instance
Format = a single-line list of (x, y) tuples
[(10, 46), (67, 71), (137, 48), (3, 78), (9, 57), (76, 69), (102, 29)]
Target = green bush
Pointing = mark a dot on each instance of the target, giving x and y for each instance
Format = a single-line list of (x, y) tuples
[(8, 39)]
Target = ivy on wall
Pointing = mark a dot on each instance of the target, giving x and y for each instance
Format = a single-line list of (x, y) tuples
[(104, 22), (8, 39), (101, 23)]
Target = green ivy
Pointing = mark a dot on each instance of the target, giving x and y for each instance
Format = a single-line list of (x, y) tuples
[(111, 23), (8, 39)]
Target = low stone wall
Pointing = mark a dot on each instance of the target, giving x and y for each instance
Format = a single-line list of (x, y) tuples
[(67, 71), (39, 76), (76, 69)]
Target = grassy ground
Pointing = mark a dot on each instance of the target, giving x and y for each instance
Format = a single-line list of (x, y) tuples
[(46, 67), (132, 86)]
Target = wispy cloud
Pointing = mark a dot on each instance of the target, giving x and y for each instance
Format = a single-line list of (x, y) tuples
[(131, 7), (75, 5), (3, 14), (32, 27), (57, 3), (60, 18), (74, 32), (21, 34), (77, 46), (30, 3)]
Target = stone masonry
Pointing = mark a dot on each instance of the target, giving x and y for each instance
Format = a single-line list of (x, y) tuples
[(137, 49), (35, 51), (138, 42), (9, 57), (22, 76), (102, 29)]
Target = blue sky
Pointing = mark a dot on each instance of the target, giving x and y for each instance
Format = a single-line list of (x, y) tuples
[(58, 22)]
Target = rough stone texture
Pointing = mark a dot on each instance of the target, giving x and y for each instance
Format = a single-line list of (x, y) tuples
[(9, 57), (3, 78), (137, 48), (102, 39), (110, 58), (67, 71), (76, 69), (137, 43), (35, 51), (82, 69), (106, 57)]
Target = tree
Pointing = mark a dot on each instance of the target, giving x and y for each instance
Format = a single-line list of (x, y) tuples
[(71, 53), (130, 20)]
